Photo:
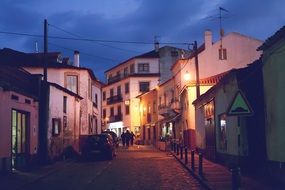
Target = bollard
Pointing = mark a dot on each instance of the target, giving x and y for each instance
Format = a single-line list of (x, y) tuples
[(181, 152), (200, 164), (177, 149), (174, 147), (186, 155), (236, 178), (192, 160)]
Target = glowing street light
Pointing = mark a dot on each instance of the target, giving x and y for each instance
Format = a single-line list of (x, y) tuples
[(187, 76)]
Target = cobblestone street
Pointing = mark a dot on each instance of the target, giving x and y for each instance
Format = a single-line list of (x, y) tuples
[(139, 167)]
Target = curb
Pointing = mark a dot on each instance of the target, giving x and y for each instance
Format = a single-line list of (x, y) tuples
[(199, 178)]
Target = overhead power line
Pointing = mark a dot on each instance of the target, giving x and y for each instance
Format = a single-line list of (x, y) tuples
[(78, 36), (87, 54), (93, 40)]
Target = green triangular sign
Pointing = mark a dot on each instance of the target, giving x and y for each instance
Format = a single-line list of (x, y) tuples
[(239, 105)]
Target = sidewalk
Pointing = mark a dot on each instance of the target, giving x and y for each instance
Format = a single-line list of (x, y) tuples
[(216, 176), (18, 179)]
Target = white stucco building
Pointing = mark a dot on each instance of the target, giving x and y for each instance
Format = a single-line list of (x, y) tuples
[(234, 50)]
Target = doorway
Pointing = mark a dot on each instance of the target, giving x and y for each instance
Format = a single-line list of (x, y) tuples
[(19, 140)]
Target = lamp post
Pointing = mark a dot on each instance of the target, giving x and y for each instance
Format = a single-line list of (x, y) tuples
[(197, 69)]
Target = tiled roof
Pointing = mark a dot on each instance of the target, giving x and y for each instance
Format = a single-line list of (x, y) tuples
[(19, 80), (65, 90), (280, 34), (226, 75), (16, 58), (150, 54)]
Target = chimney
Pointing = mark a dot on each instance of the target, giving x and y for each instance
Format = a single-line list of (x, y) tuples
[(76, 58), (208, 39)]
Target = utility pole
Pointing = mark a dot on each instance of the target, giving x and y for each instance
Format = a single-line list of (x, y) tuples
[(45, 50), (197, 69), (44, 106)]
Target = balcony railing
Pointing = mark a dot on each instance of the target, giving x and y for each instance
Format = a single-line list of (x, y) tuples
[(114, 99), (116, 118), (114, 79)]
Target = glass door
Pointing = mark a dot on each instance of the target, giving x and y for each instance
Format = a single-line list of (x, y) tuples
[(19, 139)]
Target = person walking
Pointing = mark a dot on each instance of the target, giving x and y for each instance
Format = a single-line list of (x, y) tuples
[(132, 138), (123, 137), (128, 138)]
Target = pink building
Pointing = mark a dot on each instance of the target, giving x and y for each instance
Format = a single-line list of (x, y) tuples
[(18, 118)]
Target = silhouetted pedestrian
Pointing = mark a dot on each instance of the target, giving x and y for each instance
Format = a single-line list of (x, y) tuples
[(128, 138), (132, 138), (123, 137)]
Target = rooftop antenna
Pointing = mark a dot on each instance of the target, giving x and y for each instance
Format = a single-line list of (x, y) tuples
[(222, 32)]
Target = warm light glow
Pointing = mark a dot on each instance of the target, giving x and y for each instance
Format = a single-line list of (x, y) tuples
[(127, 102), (187, 76)]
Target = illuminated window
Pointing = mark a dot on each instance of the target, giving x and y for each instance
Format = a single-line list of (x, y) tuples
[(222, 131)]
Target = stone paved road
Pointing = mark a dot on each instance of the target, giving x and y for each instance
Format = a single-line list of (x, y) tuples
[(138, 168)]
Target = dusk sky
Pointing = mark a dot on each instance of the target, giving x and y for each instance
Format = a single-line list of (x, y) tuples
[(130, 20)]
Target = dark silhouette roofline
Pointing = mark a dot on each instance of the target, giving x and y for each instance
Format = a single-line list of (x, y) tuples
[(273, 39)]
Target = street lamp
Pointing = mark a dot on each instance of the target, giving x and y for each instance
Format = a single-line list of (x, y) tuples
[(187, 75)]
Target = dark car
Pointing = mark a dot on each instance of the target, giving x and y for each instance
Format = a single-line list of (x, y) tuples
[(98, 145), (114, 136)]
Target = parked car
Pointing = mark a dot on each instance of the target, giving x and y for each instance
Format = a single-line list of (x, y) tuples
[(98, 145), (114, 136)]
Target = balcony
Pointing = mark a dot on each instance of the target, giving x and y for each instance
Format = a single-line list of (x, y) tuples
[(175, 105), (166, 110), (115, 118), (114, 79), (114, 99)]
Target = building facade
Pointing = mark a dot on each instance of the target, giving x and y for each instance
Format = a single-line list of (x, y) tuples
[(74, 98), (126, 81), (19, 113), (233, 139), (274, 90), (234, 50)]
